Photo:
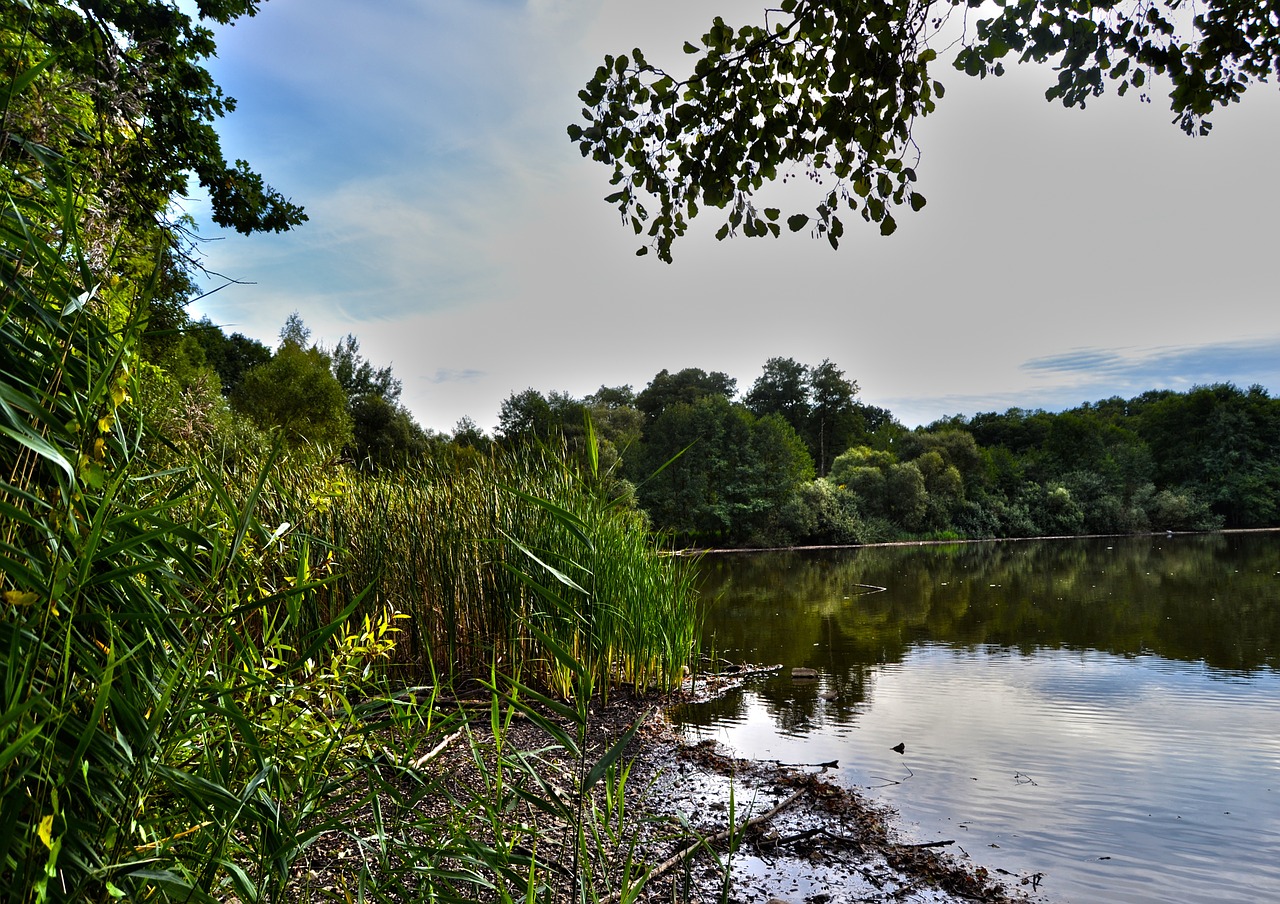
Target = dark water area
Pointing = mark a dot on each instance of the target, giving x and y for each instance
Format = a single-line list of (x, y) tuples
[(1104, 712)]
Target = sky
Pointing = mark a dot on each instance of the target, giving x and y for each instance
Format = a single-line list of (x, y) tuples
[(1064, 256)]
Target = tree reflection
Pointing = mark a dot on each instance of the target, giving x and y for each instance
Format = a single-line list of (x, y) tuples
[(1208, 598)]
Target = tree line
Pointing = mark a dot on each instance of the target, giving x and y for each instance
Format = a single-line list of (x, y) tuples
[(798, 460)]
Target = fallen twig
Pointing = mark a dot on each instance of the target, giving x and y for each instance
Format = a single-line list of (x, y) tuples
[(802, 836), (834, 764), (435, 751)]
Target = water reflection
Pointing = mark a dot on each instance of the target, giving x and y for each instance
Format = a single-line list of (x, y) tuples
[(1210, 599), (1105, 711)]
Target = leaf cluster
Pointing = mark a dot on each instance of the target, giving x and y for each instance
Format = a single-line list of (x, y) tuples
[(1210, 54), (124, 100), (832, 91)]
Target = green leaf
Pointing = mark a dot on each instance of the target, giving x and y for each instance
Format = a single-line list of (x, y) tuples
[(20, 82), (567, 519), (796, 222), (555, 572), (80, 300), (917, 200), (560, 652), (689, 48), (568, 713), (593, 444)]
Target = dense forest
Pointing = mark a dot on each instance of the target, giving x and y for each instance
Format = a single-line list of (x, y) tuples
[(798, 459)]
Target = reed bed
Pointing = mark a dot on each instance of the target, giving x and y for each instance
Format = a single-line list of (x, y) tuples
[(450, 548)]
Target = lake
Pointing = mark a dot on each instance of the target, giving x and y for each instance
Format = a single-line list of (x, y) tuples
[(1101, 714)]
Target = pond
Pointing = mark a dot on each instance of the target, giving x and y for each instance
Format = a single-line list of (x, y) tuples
[(1101, 714)]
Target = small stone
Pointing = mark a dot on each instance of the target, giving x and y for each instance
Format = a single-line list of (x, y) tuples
[(802, 672)]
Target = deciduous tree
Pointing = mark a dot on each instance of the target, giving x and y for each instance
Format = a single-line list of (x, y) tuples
[(734, 478), (525, 417), (232, 356), (686, 386), (782, 389), (296, 392), (833, 424)]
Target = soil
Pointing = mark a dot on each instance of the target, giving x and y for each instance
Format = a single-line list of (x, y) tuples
[(825, 844)]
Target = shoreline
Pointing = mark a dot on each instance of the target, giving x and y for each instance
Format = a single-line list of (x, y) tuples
[(708, 827), (733, 550), (825, 844)]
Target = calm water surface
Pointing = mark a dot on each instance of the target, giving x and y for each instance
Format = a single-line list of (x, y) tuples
[(1104, 712)]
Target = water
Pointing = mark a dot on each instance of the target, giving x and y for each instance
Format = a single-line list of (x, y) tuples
[(1102, 714)]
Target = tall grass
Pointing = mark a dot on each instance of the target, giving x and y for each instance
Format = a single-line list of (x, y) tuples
[(118, 617), (440, 544), (183, 659), (170, 724)]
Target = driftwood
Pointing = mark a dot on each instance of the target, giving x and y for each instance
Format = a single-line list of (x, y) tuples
[(803, 836), (832, 764), (726, 669)]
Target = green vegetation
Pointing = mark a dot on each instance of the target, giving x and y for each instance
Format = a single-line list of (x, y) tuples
[(201, 639), (713, 471), (833, 90), (117, 94), (220, 565)]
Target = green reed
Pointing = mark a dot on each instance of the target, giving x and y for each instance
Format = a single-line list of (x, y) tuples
[(173, 714), (184, 648), (438, 543)]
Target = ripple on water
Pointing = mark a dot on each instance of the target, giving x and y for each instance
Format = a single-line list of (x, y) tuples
[(1121, 778)]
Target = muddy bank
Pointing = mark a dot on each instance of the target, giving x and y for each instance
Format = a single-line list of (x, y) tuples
[(703, 825), (796, 837)]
